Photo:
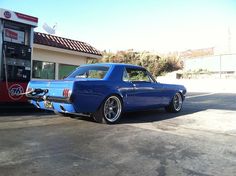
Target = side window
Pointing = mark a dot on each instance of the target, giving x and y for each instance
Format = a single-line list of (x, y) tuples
[(136, 75), (125, 76)]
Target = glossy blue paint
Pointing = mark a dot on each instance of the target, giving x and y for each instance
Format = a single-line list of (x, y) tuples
[(87, 94)]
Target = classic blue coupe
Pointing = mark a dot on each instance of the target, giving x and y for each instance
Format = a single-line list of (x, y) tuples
[(105, 91)]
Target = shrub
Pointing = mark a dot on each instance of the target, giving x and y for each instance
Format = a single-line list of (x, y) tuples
[(151, 61)]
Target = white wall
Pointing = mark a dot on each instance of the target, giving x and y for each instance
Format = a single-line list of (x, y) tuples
[(58, 58), (217, 63)]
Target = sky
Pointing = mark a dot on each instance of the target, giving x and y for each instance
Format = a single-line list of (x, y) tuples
[(153, 25)]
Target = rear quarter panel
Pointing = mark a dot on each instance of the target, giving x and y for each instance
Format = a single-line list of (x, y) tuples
[(89, 95)]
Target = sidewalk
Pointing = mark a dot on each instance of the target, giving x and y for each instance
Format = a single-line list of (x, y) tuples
[(203, 85)]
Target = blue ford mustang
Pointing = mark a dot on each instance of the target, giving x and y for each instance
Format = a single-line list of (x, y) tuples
[(105, 91)]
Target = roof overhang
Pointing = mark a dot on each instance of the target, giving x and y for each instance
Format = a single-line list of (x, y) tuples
[(49, 48)]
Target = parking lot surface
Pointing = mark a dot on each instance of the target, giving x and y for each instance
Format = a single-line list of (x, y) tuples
[(200, 140)]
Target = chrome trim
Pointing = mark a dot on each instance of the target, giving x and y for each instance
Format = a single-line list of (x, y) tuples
[(112, 109), (178, 101), (50, 98)]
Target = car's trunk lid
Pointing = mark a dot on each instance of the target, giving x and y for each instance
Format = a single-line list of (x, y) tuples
[(53, 87)]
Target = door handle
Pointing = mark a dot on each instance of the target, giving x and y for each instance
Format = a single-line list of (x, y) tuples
[(135, 86)]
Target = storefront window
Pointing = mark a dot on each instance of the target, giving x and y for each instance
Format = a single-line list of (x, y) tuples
[(65, 70), (43, 70)]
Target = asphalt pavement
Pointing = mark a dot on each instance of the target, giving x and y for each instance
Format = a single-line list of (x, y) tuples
[(200, 140)]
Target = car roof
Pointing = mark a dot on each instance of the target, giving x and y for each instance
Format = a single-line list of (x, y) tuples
[(113, 64)]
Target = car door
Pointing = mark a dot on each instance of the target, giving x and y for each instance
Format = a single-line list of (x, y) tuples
[(144, 93)]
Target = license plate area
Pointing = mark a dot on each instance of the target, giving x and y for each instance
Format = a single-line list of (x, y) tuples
[(48, 104)]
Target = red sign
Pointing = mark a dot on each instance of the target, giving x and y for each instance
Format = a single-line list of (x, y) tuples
[(11, 34), (26, 17), (15, 91), (14, 36)]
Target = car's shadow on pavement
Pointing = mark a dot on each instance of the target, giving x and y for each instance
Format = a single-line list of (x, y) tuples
[(15, 110), (191, 105), (218, 101), (149, 116)]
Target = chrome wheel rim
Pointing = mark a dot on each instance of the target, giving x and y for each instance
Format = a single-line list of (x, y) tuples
[(178, 102), (112, 109)]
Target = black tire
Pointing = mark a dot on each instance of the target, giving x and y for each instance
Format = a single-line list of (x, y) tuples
[(110, 111), (175, 104)]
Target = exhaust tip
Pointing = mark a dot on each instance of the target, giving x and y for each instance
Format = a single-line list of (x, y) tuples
[(37, 105), (62, 108)]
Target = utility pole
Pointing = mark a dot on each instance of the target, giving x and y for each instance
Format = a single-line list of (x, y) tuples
[(220, 67), (229, 41)]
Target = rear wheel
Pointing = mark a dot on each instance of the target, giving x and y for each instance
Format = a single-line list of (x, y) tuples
[(110, 111), (175, 104)]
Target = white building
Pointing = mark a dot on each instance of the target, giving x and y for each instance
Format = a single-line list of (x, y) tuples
[(55, 57)]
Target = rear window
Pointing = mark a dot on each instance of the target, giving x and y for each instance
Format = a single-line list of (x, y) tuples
[(95, 72)]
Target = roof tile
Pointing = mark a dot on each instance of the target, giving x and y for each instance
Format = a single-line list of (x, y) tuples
[(64, 43)]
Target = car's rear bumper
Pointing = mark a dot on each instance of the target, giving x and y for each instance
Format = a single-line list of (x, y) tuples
[(54, 106)]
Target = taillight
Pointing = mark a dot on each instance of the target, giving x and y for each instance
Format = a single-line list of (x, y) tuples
[(66, 93)]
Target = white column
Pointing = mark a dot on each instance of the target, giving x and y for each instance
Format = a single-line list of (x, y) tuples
[(57, 71)]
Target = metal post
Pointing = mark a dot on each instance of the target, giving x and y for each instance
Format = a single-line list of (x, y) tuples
[(220, 66), (1, 46), (56, 71)]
